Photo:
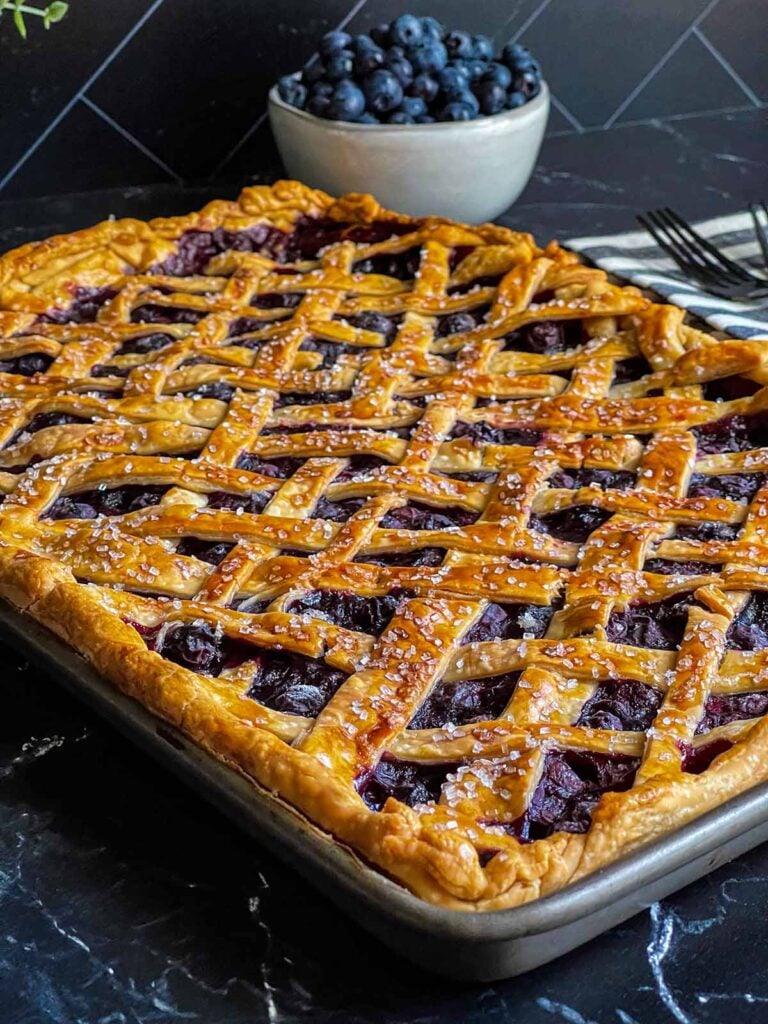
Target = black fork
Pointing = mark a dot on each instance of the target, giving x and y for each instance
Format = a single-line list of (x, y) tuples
[(699, 259)]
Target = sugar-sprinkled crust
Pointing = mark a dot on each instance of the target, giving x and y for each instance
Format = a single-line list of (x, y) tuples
[(275, 399)]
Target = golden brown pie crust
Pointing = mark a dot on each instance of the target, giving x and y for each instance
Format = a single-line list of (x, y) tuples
[(83, 578)]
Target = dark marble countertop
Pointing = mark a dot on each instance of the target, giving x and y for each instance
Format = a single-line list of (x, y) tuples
[(125, 899)]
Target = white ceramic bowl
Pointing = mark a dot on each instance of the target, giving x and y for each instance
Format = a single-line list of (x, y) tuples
[(467, 170)]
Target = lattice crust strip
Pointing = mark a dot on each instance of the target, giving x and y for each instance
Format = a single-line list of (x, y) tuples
[(443, 537)]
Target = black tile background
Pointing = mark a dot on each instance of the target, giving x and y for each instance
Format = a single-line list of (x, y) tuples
[(145, 91)]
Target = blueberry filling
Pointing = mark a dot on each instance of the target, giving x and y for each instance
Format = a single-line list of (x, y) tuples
[(478, 476), (359, 466), (402, 265), (253, 502), (369, 320), (708, 531), (212, 552), (466, 701), (410, 782), (459, 323), (733, 434), (572, 783), (146, 343), (727, 389), (659, 626), (350, 611), (481, 432), (83, 309), (630, 369), (311, 398), (510, 622), (697, 759), (114, 502), (621, 705), (687, 567), (573, 524), (735, 486), (293, 684), (26, 366), (615, 479), (722, 709), (195, 249), (330, 350), (484, 281), (105, 370), (545, 337), (337, 511), (281, 468), (48, 419), (749, 630), (213, 389), (244, 325), (277, 300), (153, 313), (419, 557), (417, 516)]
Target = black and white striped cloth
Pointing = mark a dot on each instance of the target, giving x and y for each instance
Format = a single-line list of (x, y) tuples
[(636, 256)]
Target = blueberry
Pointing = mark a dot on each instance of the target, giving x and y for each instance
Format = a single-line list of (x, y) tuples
[(380, 35), (429, 56), (400, 117), (321, 88), (363, 43), (333, 41), (347, 102), (319, 105), (425, 119), (452, 79), (292, 91), (383, 92), (482, 48), (313, 73), (492, 97), (456, 111), (459, 44), (339, 65), (500, 73), (414, 106), (528, 83), (475, 69), (368, 118), (515, 55), (425, 87), (401, 68), (406, 30), (514, 100), (368, 61), (432, 29), (469, 99)]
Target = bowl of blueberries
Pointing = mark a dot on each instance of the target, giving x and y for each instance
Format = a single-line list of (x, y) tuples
[(430, 121)]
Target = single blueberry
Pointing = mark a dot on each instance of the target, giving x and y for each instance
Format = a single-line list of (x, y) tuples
[(475, 69), (428, 56), (383, 92), (500, 73), (452, 79), (292, 91), (425, 119), (425, 87), (492, 97), (332, 42), (401, 68), (380, 35), (528, 83), (396, 51), (459, 44), (515, 55), (468, 98), (515, 99), (400, 117), (414, 106), (406, 30), (367, 118), (368, 61), (339, 65), (319, 105), (322, 88), (347, 102), (456, 111), (431, 28), (363, 43), (482, 48)]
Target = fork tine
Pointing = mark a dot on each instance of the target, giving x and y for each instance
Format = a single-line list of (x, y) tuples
[(718, 272), (693, 256), (761, 230), (724, 261), (670, 246)]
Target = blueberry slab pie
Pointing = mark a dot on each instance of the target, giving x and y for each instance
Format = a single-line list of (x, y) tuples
[(443, 538)]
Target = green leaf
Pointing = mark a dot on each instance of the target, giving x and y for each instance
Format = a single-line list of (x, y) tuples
[(56, 11), (18, 20)]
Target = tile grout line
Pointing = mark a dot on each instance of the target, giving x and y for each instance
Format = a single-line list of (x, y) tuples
[(354, 9), (530, 19), (80, 93), (659, 64), (726, 66), (566, 113), (131, 138), (652, 121)]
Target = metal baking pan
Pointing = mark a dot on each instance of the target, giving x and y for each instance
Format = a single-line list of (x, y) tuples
[(478, 946)]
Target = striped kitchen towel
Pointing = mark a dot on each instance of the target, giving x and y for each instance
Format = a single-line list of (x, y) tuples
[(636, 256)]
